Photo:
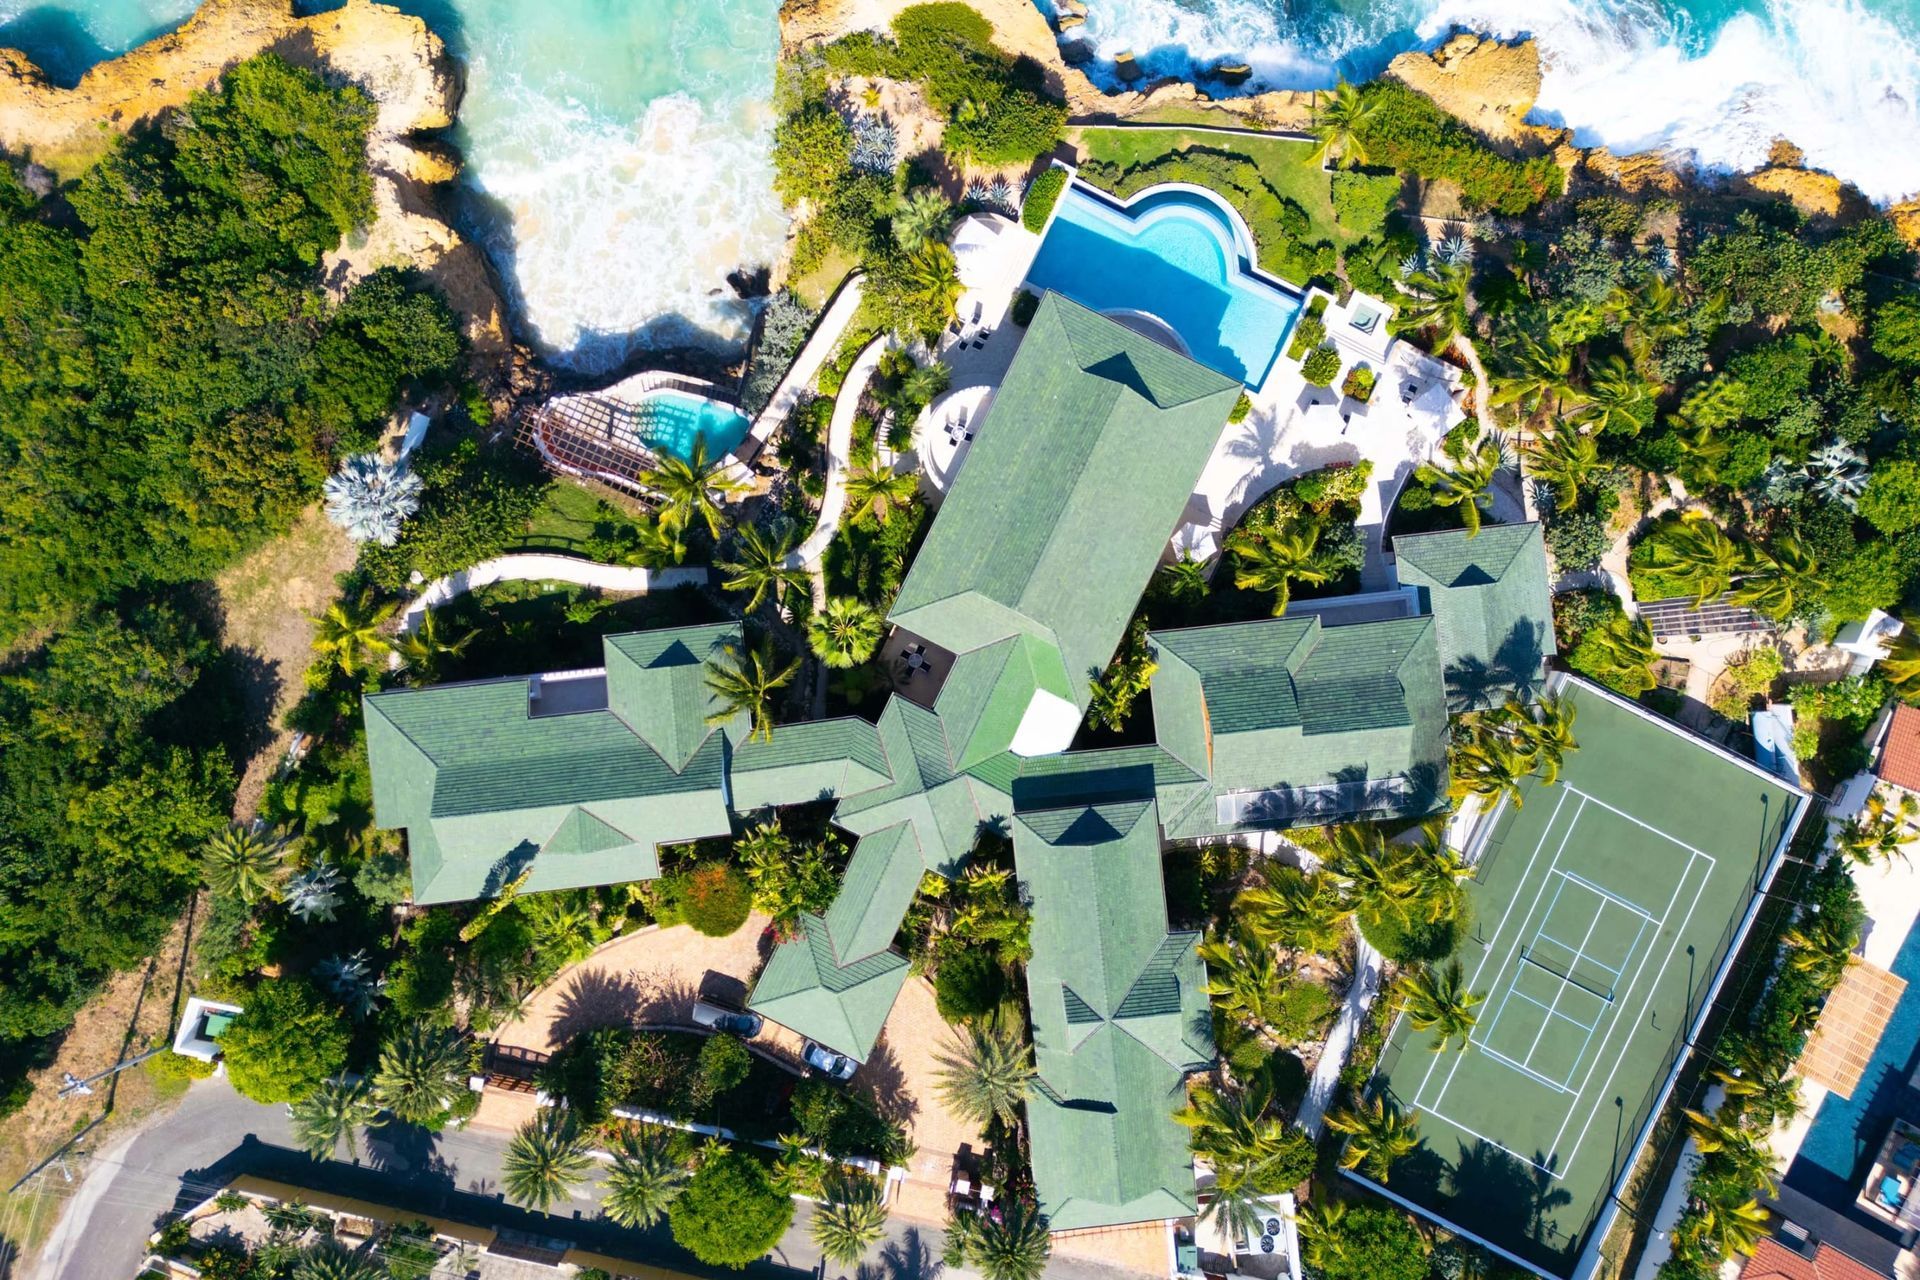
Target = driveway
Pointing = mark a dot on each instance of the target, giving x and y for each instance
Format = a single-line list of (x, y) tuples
[(214, 1135)]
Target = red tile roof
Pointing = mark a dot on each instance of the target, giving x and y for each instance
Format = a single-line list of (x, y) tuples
[(1900, 757), (1774, 1261)]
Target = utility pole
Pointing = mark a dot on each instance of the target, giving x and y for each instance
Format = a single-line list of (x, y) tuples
[(72, 1086)]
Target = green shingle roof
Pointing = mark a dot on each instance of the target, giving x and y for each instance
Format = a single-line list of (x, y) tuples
[(804, 987), (1294, 721), (1120, 1016), (988, 690), (1491, 597), (815, 760), (878, 887), (656, 682), (926, 789), (1082, 469)]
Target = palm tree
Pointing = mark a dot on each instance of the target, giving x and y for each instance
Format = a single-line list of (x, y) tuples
[(1623, 653), (1185, 580), (424, 648), (846, 632), (1879, 832), (745, 681), (1377, 1135), (1565, 459), (847, 1225), (1619, 400), (987, 1076), (1273, 563), (1323, 1231), (1775, 579), (1231, 1126), (1440, 1003), (332, 1114), (546, 1161), (1338, 123), (1013, 1246), (1535, 376), (1654, 313), (929, 281), (1433, 873), (761, 565), (925, 381), (1699, 554), (1759, 1077), (370, 498), (243, 863), (644, 1178), (1719, 1132), (1901, 666), (1291, 908), (349, 632), (878, 491), (1236, 1204), (1468, 484), (1376, 880), (331, 1260), (1547, 733), (1437, 300), (1821, 947), (421, 1071), (1734, 1228), (1244, 979), (1490, 767), (921, 216), (691, 488)]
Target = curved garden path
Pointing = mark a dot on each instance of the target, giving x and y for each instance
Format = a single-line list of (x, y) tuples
[(547, 568), (846, 406), (824, 341)]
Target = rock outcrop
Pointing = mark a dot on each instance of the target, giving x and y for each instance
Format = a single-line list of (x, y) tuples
[(1490, 85), (390, 55)]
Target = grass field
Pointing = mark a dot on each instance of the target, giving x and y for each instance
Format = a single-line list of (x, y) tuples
[(1285, 164), (1604, 908)]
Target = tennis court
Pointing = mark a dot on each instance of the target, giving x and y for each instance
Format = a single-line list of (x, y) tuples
[(1604, 908)]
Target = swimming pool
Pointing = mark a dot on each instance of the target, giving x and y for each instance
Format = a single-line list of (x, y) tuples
[(1174, 253), (1847, 1132), (670, 421)]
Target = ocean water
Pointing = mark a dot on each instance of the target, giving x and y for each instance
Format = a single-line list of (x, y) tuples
[(1717, 79), (617, 152)]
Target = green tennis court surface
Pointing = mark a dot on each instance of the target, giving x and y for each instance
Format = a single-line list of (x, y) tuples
[(1603, 909)]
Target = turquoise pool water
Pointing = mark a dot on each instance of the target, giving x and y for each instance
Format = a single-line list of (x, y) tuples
[(1847, 1132), (1172, 255), (670, 421)]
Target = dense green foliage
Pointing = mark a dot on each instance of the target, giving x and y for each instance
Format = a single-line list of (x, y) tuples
[(1404, 130), (172, 381), (731, 1213), (474, 505), (1042, 194), (289, 1039), (108, 788), (1370, 1242)]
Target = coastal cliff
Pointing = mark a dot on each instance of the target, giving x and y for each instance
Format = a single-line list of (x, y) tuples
[(400, 64)]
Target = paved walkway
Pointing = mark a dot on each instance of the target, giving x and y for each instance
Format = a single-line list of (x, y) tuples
[(806, 366), (901, 1079), (846, 407), (1333, 1057), (548, 568)]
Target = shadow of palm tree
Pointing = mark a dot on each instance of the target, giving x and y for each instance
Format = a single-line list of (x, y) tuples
[(595, 998), (908, 1258), (886, 1084)]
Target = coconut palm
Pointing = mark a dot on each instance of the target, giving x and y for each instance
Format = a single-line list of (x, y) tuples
[(846, 632), (1654, 313), (1338, 123), (1468, 483), (331, 1260), (1777, 579), (370, 498), (1291, 908), (1322, 1223), (1734, 1228), (1700, 555), (1717, 1132), (691, 488), (1015, 1245), (243, 863), (1231, 1127), (762, 566), (1622, 653), (925, 381), (1535, 376), (1880, 832), (876, 492), (547, 1160), (333, 1114), (423, 649), (1438, 1001), (851, 1220), (1244, 978), (421, 1071), (1489, 766), (1757, 1078), (349, 633), (1901, 667), (1236, 1204), (1377, 1135), (1437, 300), (1821, 947), (921, 216), (1546, 733), (644, 1180), (745, 681), (1619, 401), (986, 1076), (1566, 459), (1273, 563), (1432, 872)]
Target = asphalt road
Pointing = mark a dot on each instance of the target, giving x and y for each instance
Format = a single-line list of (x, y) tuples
[(180, 1158)]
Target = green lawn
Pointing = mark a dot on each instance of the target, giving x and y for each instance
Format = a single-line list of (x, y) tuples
[(564, 521), (1285, 164)]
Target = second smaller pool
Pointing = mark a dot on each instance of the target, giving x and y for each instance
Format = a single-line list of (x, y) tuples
[(670, 421)]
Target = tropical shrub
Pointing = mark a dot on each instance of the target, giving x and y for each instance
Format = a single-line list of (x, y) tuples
[(1896, 328), (784, 327), (1308, 332), (286, 1042), (474, 502), (1361, 201), (968, 984), (723, 1064), (1577, 540), (714, 898), (1042, 194), (730, 1212), (1406, 131), (812, 150), (1322, 366), (1891, 502), (1370, 1242), (593, 1072), (1359, 384)]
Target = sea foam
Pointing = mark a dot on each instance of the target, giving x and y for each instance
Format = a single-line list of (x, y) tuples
[(1840, 78)]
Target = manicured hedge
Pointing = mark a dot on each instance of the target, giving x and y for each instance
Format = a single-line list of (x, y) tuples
[(1042, 195)]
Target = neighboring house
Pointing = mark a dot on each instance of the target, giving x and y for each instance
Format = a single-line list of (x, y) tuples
[(1025, 585), (1899, 757), (1778, 1259)]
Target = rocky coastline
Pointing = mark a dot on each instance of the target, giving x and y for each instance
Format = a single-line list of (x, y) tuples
[(1490, 84)]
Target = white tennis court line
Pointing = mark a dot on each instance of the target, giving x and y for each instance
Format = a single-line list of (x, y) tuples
[(1639, 969), (1564, 1017), (1558, 1086), (1564, 984), (1610, 897)]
